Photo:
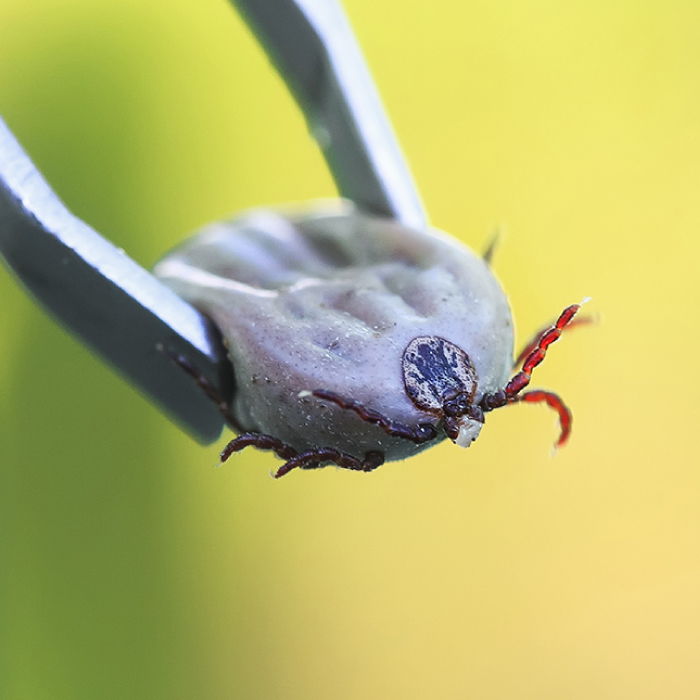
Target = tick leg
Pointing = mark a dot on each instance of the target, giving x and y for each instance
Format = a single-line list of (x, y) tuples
[(423, 432), (308, 459), (538, 353), (534, 354), (205, 385), (490, 249), (312, 458), (534, 341), (555, 402), (262, 442)]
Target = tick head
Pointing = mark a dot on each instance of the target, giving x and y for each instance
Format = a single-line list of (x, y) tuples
[(463, 418)]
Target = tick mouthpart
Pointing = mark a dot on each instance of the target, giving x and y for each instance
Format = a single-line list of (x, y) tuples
[(464, 429), (468, 431)]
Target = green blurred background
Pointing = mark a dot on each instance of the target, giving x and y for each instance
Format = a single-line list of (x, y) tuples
[(130, 568)]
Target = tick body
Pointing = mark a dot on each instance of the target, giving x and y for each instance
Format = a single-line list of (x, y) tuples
[(354, 340)]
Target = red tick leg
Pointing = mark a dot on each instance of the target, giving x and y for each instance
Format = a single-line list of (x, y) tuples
[(575, 323), (555, 402), (533, 355), (537, 355)]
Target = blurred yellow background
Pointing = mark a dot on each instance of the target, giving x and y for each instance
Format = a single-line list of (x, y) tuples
[(130, 568)]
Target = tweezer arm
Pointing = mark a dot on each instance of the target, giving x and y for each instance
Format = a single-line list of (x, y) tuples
[(315, 51), (105, 298), (122, 311)]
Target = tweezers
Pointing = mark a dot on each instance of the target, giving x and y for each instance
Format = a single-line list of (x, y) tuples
[(122, 311)]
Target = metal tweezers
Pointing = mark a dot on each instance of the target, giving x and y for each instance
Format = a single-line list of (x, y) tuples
[(124, 313)]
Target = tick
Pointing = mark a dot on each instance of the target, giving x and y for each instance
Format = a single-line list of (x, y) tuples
[(355, 340)]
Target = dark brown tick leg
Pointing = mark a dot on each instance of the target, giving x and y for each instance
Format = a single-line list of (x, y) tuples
[(312, 458), (262, 442), (204, 384), (292, 458), (423, 432), (295, 460)]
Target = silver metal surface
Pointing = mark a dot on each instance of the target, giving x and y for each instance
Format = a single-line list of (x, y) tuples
[(314, 49), (115, 306)]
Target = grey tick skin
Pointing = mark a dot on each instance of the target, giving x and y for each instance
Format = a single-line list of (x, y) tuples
[(331, 300)]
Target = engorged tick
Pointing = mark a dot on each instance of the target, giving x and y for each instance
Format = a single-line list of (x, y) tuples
[(355, 340)]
